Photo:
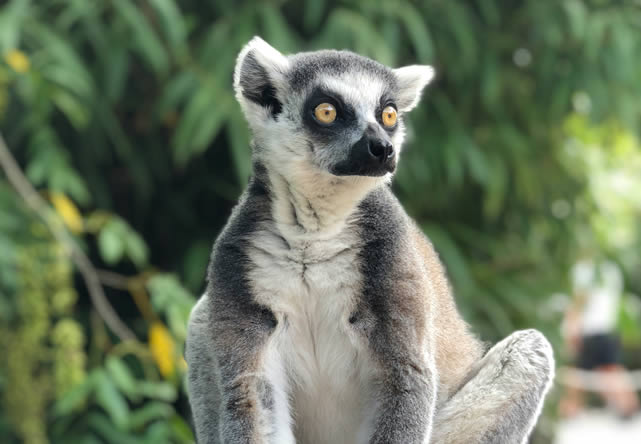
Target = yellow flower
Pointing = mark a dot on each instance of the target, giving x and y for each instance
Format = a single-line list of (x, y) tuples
[(68, 211), (162, 348), (17, 60)]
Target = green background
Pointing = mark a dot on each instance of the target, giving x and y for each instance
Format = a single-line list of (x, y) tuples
[(524, 154)]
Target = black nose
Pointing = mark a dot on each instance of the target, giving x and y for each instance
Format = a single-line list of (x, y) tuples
[(381, 149), (372, 155)]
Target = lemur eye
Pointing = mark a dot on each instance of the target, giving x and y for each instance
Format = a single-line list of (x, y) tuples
[(389, 116), (325, 113)]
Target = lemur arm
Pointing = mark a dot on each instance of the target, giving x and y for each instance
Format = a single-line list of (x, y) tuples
[(406, 407), (407, 389), (396, 319), (229, 391)]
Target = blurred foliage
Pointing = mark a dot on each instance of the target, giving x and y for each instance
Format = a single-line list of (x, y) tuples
[(609, 156), (39, 333), (122, 113)]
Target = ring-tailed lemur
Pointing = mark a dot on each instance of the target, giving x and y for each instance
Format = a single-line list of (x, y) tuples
[(328, 317)]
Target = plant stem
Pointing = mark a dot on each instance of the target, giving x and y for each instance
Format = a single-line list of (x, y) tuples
[(31, 197)]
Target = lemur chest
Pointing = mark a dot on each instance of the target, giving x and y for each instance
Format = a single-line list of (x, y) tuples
[(312, 288)]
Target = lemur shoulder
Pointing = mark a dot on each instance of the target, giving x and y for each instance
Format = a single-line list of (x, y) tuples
[(328, 317)]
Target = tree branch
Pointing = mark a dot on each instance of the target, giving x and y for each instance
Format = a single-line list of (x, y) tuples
[(113, 280), (24, 188)]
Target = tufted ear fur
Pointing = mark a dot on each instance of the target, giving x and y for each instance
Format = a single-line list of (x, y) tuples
[(411, 81), (259, 79)]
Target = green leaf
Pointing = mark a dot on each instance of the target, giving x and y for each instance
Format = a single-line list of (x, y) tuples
[(76, 398), (106, 430), (313, 13), (418, 33), (277, 29), (491, 83), (122, 377), (157, 432), (162, 391), (151, 411), (137, 249), (50, 165), (490, 11), (177, 319), (176, 92), (577, 17), (110, 399), (166, 291), (476, 162), (211, 124), (11, 19), (110, 243), (145, 37), (197, 126), (116, 73), (61, 63), (71, 107), (173, 22), (181, 430)]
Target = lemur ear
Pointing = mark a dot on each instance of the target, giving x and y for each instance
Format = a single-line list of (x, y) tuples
[(259, 75), (411, 81)]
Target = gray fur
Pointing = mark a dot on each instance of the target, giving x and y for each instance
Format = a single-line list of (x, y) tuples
[(327, 317), (309, 66), (500, 402)]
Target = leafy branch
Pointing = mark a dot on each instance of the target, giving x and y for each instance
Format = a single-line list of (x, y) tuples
[(31, 197)]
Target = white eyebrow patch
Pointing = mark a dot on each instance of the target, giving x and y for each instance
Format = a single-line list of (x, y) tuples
[(358, 89)]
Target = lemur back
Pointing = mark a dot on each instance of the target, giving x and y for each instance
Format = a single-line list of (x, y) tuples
[(327, 316)]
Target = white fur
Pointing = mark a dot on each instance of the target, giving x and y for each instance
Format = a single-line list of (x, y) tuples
[(412, 79), (276, 375), (275, 64), (310, 287)]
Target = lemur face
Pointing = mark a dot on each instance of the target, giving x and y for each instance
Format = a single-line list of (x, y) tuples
[(334, 112)]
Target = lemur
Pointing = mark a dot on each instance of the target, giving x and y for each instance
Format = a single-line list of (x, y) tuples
[(328, 317)]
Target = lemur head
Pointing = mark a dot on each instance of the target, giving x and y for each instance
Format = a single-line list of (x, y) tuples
[(329, 113)]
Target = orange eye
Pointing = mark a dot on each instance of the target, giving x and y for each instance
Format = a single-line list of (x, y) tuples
[(389, 116), (325, 113)]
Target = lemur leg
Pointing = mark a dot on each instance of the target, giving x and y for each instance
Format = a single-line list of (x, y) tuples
[(235, 381), (503, 395)]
